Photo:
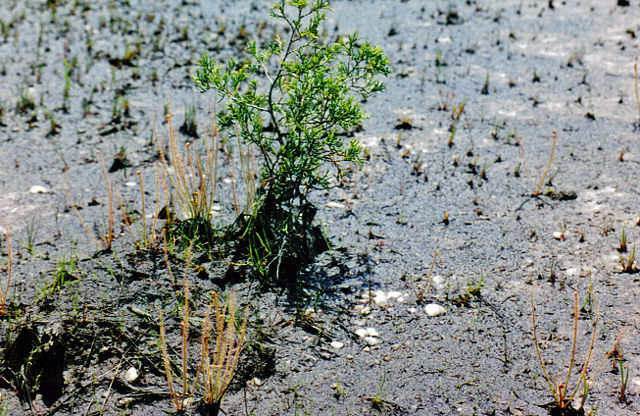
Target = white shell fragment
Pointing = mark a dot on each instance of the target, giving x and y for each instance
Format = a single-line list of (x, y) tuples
[(38, 189), (367, 332), (131, 375), (381, 298), (433, 309), (557, 235), (333, 204)]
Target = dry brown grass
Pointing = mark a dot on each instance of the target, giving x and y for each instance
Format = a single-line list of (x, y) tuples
[(4, 293)]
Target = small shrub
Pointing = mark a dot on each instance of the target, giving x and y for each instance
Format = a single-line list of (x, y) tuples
[(308, 93)]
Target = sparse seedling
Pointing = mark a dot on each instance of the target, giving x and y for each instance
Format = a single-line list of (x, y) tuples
[(220, 346), (26, 102), (560, 386), (635, 79), (624, 379), (622, 248), (485, 86), (192, 178), (546, 171), (190, 125), (627, 263), (107, 239), (421, 287), (4, 291), (220, 351), (53, 124)]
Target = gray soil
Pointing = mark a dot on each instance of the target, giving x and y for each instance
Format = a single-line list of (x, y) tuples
[(460, 184)]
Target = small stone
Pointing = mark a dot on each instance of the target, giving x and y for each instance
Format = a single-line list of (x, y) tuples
[(433, 309), (337, 345), (380, 298), (38, 189), (130, 184), (394, 294), (557, 235), (125, 402), (572, 271), (371, 341), (367, 332), (361, 332), (438, 282), (131, 375), (256, 381)]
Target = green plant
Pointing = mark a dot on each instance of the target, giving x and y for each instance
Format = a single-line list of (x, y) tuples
[(308, 92), (53, 124), (63, 274), (622, 248), (377, 401), (30, 241), (624, 379), (628, 263), (26, 101), (190, 126), (5, 292), (67, 85), (562, 392)]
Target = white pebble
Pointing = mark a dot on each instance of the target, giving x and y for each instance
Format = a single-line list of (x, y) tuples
[(131, 375), (438, 282), (337, 345), (130, 184), (38, 189), (380, 298), (433, 309), (371, 341), (557, 235)]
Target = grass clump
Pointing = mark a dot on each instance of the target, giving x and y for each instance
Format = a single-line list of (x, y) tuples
[(191, 179), (219, 348), (292, 100)]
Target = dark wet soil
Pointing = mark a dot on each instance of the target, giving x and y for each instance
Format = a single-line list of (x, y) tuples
[(457, 146)]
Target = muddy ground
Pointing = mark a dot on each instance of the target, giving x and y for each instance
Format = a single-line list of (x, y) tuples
[(78, 77)]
